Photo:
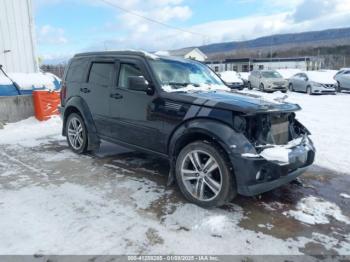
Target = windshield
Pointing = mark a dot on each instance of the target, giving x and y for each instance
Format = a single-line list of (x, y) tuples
[(177, 75), (271, 74)]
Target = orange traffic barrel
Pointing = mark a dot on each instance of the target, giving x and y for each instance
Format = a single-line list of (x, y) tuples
[(46, 104)]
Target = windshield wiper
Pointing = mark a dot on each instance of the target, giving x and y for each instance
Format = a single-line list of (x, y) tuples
[(183, 84)]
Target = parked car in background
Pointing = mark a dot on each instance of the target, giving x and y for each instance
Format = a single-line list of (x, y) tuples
[(267, 81), (343, 79), (218, 143), (313, 82), (232, 80)]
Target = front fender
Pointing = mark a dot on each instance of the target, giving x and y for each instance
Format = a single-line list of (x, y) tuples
[(226, 136), (78, 104), (234, 144)]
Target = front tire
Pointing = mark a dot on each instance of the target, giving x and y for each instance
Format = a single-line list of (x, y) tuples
[(76, 133), (291, 88), (309, 90), (338, 87), (262, 88), (204, 176), (250, 86)]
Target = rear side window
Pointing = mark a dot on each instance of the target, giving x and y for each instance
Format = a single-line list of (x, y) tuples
[(101, 74), (76, 71), (127, 70)]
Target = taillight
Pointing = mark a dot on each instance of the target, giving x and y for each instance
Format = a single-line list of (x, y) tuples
[(63, 92)]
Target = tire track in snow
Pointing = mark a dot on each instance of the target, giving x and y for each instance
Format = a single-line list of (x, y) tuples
[(19, 162)]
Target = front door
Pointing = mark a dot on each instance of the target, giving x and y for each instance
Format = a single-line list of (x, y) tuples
[(345, 79), (134, 119)]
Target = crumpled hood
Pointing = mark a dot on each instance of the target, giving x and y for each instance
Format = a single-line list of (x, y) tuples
[(240, 102)]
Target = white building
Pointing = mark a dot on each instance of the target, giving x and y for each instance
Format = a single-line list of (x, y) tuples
[(17, 42), (190, 53), (250, 64)]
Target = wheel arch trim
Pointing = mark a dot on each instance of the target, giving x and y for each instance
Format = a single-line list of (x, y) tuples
[(78, 104)]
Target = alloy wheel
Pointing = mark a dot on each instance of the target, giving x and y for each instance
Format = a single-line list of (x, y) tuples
[(75, 133), (201, 175)]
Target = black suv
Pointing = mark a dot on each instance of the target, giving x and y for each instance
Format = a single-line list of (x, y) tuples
[(219, 142)]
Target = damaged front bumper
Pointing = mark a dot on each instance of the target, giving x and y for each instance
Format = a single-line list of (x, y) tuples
[(274, 166)]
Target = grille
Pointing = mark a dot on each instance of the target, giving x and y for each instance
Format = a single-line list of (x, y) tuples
[(328, 86)]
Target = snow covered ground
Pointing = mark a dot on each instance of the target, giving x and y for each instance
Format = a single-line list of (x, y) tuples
[(116, 202)]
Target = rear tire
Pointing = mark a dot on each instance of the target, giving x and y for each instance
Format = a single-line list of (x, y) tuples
[(204, 176), (76, 132)]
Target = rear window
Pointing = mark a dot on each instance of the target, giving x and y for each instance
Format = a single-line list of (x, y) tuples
[(101, 74), (76, 71)]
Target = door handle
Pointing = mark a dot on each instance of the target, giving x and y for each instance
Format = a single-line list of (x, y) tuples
[(116, 96), (85, 90)]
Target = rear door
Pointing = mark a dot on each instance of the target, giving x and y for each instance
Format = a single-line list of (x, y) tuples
[(304, 81), (257, 79), (296, 81), (253, 79), (96, 91), (133, 112)]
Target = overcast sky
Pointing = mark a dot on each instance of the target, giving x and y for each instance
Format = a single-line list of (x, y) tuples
[(65, 27)]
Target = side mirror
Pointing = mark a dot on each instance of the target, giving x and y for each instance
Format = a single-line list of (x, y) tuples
[(139, 83)]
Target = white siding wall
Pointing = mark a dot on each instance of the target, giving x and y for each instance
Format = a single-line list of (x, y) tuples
[(17, 35)]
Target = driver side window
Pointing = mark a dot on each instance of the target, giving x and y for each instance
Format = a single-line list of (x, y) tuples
[(127, 70)]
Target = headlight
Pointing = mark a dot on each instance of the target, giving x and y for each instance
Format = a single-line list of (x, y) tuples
[(315, 84)]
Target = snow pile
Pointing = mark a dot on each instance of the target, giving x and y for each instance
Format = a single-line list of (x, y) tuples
[(277, 153), (288, 72), (313, 210), (244, 76), (204, 221), (4, 80), (192, 88), (29, 81), (29, 132), (346, 196), (230, 77)]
